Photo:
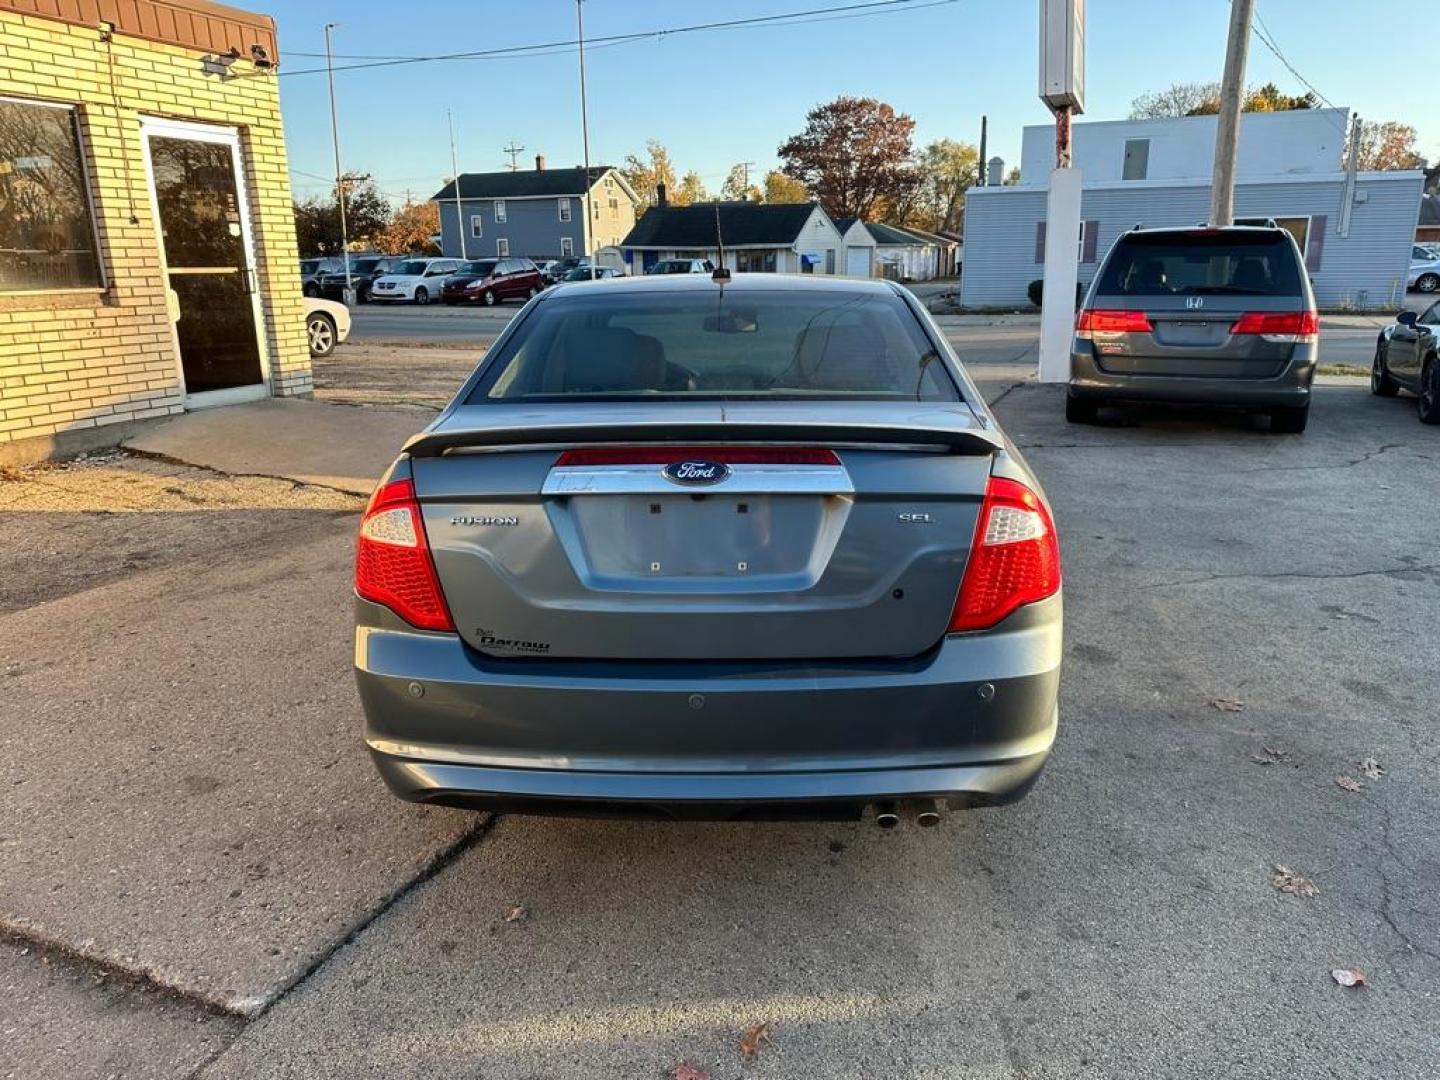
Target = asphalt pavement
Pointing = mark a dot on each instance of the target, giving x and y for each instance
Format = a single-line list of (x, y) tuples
[(203, 877)]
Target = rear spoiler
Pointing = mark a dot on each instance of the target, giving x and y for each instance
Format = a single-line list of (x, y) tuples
[(955, 439)]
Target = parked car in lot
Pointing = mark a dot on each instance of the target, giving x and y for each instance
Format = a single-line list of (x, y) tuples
[(489, 281), (415, 280), (560, 267), (327, 324), (1198, 316), (1407, 356), (310, 272), (1424, 269), (712, 549), (365, 270), (682, 266), (597, 273)]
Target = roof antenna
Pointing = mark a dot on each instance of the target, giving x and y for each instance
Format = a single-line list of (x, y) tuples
[(722, 272)]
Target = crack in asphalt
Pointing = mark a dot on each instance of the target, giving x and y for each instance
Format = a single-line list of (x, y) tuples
[(1387, 572), (1387, 899), (1361, 460), (296, 485)]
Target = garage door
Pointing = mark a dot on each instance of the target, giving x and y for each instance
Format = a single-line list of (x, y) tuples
[(857, 261)]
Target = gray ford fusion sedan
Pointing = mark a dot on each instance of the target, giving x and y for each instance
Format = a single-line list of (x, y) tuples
[(740, 548)]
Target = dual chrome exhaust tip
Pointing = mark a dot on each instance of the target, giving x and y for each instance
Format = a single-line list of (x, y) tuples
[(926, 813)]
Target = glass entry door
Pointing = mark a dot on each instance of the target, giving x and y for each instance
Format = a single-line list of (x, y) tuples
[(199, 202)]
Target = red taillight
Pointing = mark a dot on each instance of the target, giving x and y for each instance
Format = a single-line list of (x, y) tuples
[(1284, 325), (392, 560), (730, 455), (1112, 322), (1014, 560)]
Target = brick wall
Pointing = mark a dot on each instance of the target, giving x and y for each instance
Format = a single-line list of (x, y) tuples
[(71, 361)]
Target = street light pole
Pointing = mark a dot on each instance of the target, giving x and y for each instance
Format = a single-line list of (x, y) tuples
[(1227, 126), (339, 178), (585, 138), (455, 168)]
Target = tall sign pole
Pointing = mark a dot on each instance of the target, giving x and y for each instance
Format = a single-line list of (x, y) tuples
[(1227, 123), (1062, 88), (349, 293), (585, 137), (455, 168)]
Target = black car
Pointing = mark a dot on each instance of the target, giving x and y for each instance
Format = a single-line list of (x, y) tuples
[(364, 269), (557, 270), (311, 270), (1407, 357)]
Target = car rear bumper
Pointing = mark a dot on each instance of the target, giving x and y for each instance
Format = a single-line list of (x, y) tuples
[(1290, 387), (971, 722)]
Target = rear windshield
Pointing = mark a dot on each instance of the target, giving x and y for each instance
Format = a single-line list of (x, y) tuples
[(688, 345), (1184, 264)]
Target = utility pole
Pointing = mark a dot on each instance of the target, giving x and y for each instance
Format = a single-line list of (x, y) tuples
[(455, 168), (980, 178), (745, 173), (513, 151), (1227, 127), (585, 136), (349, 293)]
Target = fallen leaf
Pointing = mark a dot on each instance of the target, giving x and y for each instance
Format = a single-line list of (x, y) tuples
[(1371, 768), (514, 913), (1270, 755), (755, 1037), (1225, 704), (688, 1070), (1349, 977), (1286, 880), (1349, 784)]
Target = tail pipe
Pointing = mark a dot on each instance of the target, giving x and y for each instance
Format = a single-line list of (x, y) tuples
[(927, 813), (886, 815)]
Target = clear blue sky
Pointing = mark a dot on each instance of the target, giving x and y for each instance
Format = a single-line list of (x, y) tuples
[(720, 97)]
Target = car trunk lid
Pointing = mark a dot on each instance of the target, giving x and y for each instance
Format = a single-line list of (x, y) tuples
[(700, 531)]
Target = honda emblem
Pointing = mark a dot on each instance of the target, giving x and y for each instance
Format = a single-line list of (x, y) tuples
[(1193, 302)]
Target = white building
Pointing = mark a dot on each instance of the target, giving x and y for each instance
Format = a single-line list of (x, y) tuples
[(784, 238), (1355, 232)]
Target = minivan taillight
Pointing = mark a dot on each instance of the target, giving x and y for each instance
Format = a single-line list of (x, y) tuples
[(392, 559), (1014, 560), (1279, 325), (1111, 322)]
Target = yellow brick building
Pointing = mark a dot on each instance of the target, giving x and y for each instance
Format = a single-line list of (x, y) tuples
[(147, 241)]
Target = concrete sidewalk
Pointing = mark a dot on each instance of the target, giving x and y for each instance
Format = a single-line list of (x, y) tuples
[(310, 442)]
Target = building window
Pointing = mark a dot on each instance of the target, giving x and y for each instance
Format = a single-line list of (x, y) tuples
[(609, 182), (755, 262), (499, 211), (477, 226), (614, 207), (595, 211), (1137, 159), (502, 247), (1298, 227), (47, 226), (567, 247), (564, 209)]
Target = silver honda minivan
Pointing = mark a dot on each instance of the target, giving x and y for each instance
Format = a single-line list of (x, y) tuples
[(1200, 316), (749, 547)]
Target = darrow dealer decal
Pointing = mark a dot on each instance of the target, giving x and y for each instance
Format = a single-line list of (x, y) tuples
[(489, 640)]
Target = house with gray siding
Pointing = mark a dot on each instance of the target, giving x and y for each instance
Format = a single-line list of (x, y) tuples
[(1355, 230), (539, 213), (776, 238)]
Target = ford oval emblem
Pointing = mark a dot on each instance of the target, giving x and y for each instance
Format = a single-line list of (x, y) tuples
[(697, 472)]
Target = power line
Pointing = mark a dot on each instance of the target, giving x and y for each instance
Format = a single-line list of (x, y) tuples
[(1266, 37), (871, 7)]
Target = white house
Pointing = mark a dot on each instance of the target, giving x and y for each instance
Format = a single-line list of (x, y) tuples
[(784, 238), (1355, 231), (902, 255), (859, 247)]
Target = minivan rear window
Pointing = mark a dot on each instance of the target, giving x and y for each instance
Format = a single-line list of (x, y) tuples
[(684, 344), (1202, 263)]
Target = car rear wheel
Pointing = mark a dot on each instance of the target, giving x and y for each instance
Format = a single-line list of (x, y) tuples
[(1290, 420), (1430, 392), (320, 330), (1428, 282), (1081, 410), (489, 297), (422, 295), (1381, 384)]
